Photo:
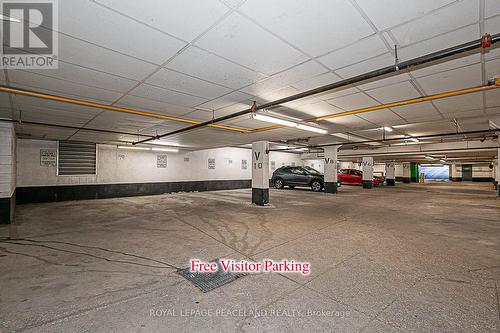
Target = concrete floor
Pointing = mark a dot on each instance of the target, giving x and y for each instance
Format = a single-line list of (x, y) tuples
[(414, 258)]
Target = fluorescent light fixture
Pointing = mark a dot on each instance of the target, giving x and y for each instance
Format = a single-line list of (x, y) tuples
[(134, 148), (429, 157), (312, 129), (287, 123), (172, 150), (442, 161), (269, 119), (388, 129), (414, 139)]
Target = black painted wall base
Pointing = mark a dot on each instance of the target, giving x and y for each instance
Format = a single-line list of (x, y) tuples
[(367, 183), (331, 187), (406, 180), (102, 191), (482, 179), (7, 208), (456, 179), (260, 196), (390, 182), (413, 179)]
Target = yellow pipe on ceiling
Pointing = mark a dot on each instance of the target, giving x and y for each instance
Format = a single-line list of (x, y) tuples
[(393, 104), (23, 92)]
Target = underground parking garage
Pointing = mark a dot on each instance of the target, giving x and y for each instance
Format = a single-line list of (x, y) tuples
[(249, 166)]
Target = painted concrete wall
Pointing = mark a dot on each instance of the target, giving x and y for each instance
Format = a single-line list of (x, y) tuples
[(7, 160), (138, 166)]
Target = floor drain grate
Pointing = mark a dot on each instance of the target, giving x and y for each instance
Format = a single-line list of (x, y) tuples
[(209, 281)]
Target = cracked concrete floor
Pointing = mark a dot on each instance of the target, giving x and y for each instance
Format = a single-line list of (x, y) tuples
[(414, 258)]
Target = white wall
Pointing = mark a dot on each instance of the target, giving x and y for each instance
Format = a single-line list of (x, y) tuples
[(7, 160), (482, 171), (138, 166)]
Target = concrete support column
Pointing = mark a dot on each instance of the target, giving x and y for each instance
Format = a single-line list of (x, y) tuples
[(367, 164), (260, 173), (7, 172), (406, 173), (456, 173), (390, 173), (331, 169)]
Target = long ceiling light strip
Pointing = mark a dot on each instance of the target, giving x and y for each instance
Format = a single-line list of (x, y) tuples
[(171, 150), (287, 123)]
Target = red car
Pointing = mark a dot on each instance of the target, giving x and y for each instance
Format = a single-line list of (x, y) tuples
[(354, 177)]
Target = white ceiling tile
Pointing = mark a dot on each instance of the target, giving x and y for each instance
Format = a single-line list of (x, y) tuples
[(366, 48), (492, 25), (440, 42), (88, 21), (317, 109), (417, 111), (315, 27), (199, 63), (236, 39), (148, 104), (452, 17), (168, 79), (26, 102), (279, 93), (459, 78), (383, 117), (400, 10), (46, 83), (226, 100), (316, 81), (492, 69), (491, 8), (199, 115), (465, 114), (351, 122), (493, 98), (338, 93), (87, 55), (447, 65), (395, 92), (56, 117), (166, 96), (352, 102), (185, 19), (460, 103), (285, 78), (385, 81), (366, 66), (86, 76)]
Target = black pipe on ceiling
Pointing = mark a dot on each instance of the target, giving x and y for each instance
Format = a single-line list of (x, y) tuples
[(425, 59), (22, 122)]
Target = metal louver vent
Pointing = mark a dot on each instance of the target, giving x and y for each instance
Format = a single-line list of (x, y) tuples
[(76, 158)]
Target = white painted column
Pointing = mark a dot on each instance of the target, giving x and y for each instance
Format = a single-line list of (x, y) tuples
[(367, 165), (7, 172), (406, 173), (390, 173), (456, 173), (260, 173), (331, 169)]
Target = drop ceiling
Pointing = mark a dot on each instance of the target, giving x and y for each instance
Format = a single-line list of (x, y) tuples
[(201, 59)]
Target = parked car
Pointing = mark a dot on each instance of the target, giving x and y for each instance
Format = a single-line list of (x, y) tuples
[(379, 175), (292, 176), (354, 177)]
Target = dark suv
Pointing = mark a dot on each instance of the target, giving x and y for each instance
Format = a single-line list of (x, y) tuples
[(292, 176)]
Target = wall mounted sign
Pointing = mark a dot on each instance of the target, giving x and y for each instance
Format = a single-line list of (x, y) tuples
[(273, 165), (186, 159), (48, 157), (161, 161), (244, 164), (211, 163)]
